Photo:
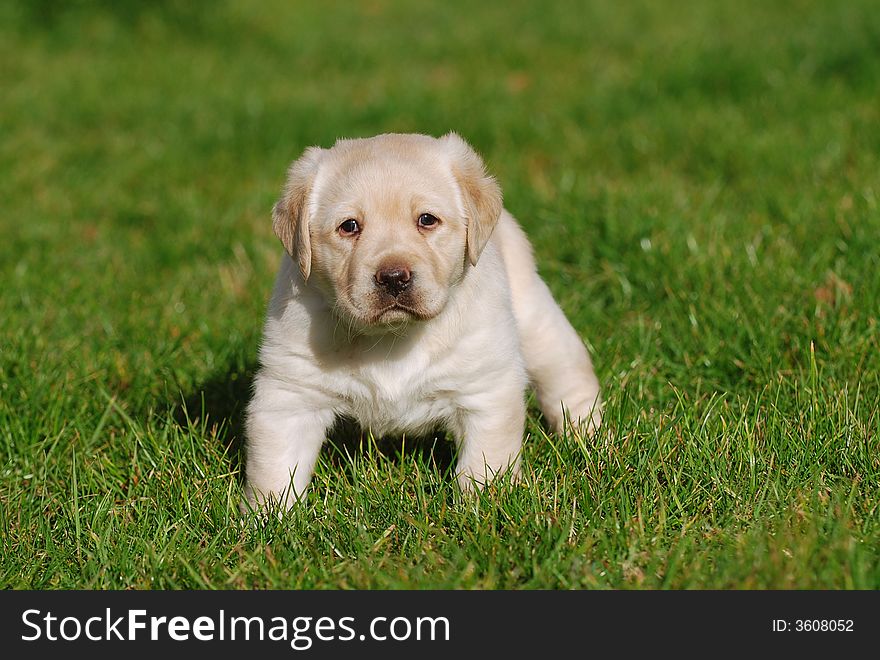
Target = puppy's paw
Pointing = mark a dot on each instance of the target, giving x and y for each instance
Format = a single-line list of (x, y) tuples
[(583, 419), (257, 505), (474, 480)]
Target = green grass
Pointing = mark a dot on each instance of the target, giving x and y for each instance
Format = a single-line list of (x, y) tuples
[(701, 183)]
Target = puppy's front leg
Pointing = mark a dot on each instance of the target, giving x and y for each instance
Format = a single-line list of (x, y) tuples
[(282, 448), (489, 435)]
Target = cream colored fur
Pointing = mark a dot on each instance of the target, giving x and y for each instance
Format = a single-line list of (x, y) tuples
[(456, 349)]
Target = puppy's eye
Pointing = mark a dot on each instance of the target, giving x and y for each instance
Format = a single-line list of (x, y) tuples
[(349, 227), (428, 221)]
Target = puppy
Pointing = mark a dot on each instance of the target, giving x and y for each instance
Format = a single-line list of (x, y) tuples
[(407, 299)]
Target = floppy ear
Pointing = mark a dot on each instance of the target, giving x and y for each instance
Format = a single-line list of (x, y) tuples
[(290, 216), (480, 193)]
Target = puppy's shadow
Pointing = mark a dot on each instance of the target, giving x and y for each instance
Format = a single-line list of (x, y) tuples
[(348, 439), (219, 405)]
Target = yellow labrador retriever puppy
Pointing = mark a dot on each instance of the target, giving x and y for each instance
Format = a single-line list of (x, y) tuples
[(408, 299)]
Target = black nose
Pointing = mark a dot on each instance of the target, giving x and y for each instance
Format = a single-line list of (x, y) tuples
[(394, 279)]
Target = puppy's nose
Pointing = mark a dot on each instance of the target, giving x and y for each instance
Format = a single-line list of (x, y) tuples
[(394, 279)]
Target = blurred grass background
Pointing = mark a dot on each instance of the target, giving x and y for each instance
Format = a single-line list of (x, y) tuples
[(700, 181)]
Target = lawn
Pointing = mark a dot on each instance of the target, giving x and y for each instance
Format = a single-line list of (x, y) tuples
[(701, 183)]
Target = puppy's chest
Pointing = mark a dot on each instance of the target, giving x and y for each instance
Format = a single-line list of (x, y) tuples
[(391, 397)]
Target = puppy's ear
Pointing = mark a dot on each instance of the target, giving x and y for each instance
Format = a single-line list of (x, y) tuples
[(480, 193), (290, 216)]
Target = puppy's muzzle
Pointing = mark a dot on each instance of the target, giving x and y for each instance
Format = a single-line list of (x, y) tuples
[(394, 280)]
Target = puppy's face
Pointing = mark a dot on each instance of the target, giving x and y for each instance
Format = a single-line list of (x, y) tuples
[(388, 234), (384, 227)]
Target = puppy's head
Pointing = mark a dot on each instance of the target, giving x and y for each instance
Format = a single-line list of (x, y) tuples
[(385, 226)]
